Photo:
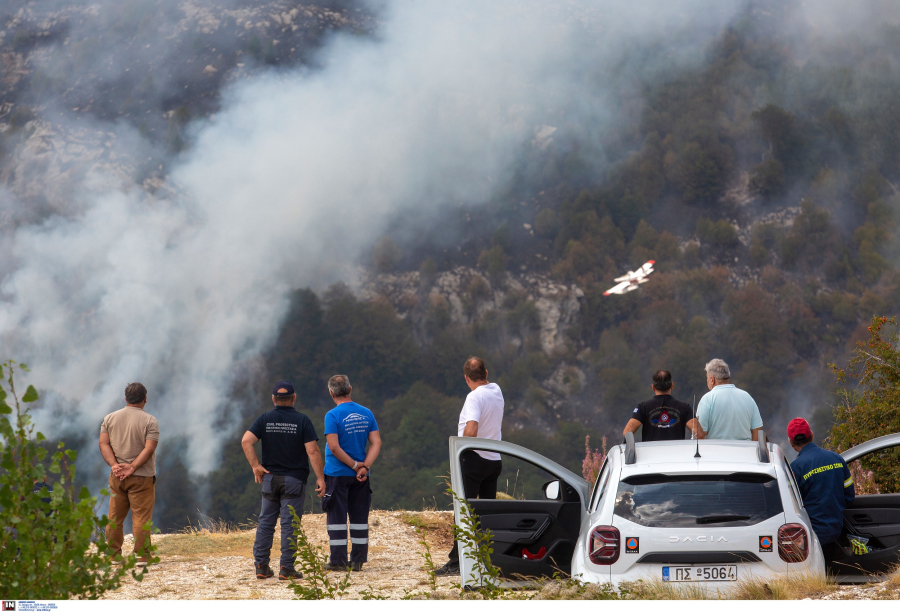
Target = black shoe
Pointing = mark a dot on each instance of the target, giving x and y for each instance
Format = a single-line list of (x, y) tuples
[(264, 571), (451, 568), (356, 566), (289, 573), (331, 567)]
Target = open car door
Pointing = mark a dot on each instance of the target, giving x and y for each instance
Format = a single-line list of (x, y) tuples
[(534, 525), (876, 517)]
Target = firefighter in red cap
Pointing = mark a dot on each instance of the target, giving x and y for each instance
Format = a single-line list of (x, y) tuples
[(825, 482)]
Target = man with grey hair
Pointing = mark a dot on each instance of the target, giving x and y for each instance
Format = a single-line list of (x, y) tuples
[(349, 427), (726, 412)]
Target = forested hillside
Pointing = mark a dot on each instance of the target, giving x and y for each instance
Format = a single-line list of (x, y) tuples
[(761, 176), (763, 184)]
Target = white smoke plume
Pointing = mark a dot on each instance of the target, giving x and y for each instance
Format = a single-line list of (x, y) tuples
[(296, 177)]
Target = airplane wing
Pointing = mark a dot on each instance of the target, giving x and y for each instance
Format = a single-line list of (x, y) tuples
[(619, 289), (644, 270), (626, 283)]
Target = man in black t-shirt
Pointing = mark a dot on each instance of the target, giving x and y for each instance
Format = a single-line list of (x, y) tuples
[(663, 417), (288, 448)]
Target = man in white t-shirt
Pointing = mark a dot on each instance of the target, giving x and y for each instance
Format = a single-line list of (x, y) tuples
[(481, 417)]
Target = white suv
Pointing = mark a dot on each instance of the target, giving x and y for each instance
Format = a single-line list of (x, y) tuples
[(732, 512), (717, 512)]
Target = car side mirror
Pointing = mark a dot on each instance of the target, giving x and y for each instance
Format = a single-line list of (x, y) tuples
[(551, 489)]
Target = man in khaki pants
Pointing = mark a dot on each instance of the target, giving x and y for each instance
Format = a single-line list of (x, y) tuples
[(128, 439)]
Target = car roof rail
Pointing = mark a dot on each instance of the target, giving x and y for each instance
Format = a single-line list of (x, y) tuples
[(763, 450), (629, 448)]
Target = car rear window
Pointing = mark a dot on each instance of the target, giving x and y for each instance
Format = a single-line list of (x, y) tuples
[(727, 500)]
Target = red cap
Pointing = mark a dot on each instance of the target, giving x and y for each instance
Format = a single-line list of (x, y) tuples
[(798, 430)]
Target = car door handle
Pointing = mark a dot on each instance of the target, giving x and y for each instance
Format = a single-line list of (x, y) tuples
[(526, 523), (862, 518)]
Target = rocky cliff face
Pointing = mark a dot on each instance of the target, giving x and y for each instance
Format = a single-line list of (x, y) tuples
[(107, 89), (469, 297)]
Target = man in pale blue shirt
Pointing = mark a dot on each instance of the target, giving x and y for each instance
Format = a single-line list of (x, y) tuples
[(726, 412)]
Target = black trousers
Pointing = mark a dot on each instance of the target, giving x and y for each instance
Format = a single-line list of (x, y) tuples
[(346, 497), (479, 477)]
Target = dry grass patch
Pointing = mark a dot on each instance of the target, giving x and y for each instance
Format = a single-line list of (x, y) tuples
[(214, 537), (428, 520), (657, 589), (892, 584), (893, 581), (792, 586), (437, 525), (208, 544)]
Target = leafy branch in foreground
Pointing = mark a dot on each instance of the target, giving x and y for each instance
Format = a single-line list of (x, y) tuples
[(429, 566), (310, 561), (869, 409), (479, 545), (51, 544)]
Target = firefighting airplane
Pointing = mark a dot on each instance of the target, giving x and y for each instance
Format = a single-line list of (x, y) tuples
[(630, 281)]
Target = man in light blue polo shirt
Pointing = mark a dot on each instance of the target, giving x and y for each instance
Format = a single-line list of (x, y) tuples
[(726, 412)]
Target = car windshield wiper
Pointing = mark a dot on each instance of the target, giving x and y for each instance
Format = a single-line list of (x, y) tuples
[(721, 518)]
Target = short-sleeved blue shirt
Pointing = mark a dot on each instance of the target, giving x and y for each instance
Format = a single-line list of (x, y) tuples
[(284, 433), (352, 424), (826, 487)]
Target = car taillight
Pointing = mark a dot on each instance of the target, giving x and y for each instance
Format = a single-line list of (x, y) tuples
[(604, 545), (793, 543)]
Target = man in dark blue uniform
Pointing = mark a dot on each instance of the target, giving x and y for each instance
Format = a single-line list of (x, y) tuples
[(824, 480), (288, 448)]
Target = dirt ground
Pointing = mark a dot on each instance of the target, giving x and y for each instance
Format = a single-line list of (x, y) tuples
[(220, 565)]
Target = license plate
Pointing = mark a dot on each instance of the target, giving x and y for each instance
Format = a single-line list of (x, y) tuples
[(704, 573)]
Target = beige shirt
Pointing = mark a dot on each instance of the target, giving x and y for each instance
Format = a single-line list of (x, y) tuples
[(129, 429)]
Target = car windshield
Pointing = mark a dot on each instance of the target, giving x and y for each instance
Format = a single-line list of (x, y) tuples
[(727, 500)]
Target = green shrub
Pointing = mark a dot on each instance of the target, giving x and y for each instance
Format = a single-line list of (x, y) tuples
[(868, 408), (480, 547), (46, 537), (309, 560), (494, 260), (764, 240), (386, 255), (546, 224), (718, 233), (767, 178)]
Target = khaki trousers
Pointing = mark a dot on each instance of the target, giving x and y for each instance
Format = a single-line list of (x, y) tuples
[(136, 493)]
